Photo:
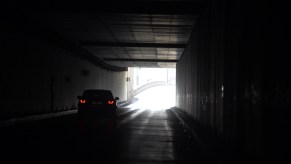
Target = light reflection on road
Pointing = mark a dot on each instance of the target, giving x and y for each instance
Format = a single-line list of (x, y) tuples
[(157, 98)]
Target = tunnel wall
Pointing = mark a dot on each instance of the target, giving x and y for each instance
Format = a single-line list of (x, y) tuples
[(38, 76), (200, 72), (233, 77)]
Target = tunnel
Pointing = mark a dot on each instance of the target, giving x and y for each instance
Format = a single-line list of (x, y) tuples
[(232, 83)]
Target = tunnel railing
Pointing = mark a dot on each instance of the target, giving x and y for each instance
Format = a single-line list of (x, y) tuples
[(143, 88), (148, 86)]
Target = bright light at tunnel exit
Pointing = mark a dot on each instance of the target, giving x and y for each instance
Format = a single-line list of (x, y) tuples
[(157, 97)]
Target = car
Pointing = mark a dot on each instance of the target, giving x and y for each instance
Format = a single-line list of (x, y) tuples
[(97, 103)]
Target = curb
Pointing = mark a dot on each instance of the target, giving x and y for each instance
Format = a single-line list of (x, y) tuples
[(192, 131), (213, 147)]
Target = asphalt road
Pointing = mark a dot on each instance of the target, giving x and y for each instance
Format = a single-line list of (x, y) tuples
[(137, 136)]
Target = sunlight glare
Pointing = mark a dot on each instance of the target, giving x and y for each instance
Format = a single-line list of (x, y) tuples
[(156, 98)]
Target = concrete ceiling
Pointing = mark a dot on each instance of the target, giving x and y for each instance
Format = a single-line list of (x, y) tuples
[(125, 33)]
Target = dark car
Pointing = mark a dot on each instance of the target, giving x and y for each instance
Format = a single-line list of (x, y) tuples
[(97, 103)]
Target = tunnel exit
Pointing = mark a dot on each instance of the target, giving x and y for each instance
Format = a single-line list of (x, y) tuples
[(152, 88)]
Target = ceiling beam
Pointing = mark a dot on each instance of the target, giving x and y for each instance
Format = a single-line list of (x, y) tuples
[(123, 7), (123, 44), (23, 23), (141, 60)]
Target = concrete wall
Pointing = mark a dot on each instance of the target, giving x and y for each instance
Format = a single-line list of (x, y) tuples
[(233, 76), (200, 72), (38, 76)]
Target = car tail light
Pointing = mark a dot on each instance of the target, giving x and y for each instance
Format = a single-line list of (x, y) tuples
[(110, 102), (82, 101)]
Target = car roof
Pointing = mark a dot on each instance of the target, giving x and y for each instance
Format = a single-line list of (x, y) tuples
[(97, 93)]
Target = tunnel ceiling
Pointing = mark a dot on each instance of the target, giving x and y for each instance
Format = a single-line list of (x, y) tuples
[(125, 33)]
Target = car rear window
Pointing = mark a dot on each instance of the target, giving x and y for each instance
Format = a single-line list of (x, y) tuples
[(99, 94)]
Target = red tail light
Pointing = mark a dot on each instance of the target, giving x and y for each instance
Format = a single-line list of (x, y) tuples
[(110, 102), (82, 101)]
